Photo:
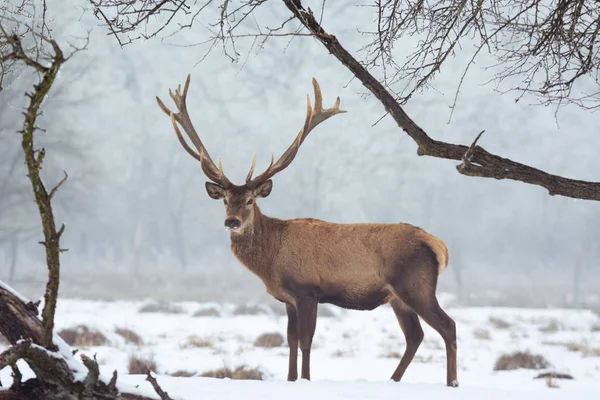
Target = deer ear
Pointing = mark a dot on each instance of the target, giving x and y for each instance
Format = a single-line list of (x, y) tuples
[(264, 189), (215, 191)]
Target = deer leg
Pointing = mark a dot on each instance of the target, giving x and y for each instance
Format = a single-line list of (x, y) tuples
[(429, 309), (307, 322), (409, 322), (292, 338)]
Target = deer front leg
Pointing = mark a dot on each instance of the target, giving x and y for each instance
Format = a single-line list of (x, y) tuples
[(292, 338), (307, 322)]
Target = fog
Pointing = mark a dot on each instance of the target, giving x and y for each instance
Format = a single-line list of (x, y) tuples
[(139, 222)]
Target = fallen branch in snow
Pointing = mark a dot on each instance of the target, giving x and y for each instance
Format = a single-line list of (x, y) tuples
[(57, 373), (163, 395)]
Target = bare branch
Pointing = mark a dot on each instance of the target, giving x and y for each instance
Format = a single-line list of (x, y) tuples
[(161, 393), (488, 165)]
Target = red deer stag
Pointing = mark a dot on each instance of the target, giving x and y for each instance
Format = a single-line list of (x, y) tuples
[(303, 262)]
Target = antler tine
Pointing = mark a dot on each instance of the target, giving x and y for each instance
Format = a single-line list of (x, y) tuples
[(314, 116), (249, 176), (183, 119)]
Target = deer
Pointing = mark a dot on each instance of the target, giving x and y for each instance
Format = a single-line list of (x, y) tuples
[(306, 262)]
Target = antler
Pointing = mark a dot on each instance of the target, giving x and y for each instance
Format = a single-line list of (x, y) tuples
[(182, 117), (314, 116)]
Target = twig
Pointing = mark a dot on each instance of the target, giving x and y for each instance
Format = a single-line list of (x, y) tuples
[(55, 188), (468, 156), (161, 393)]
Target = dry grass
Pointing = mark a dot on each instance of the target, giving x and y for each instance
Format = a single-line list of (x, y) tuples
[(207, 312), (245, 309), (584, 349), (139, 364), (499, 323), (520, 359), (83, 336), (341, 353), (392, 354), (182, 373), (197, 342), (552, 327), (269, 340), (422, 359), (242, 372), (161, 307), (130, 336), (481, 334)]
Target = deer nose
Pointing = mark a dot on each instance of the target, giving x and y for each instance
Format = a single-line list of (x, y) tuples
[(232, 223)]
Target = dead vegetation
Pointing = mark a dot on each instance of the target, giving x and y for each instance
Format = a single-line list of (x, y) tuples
[(139, 364), (242, 373), (130, 336), (552, 327), (521, 359), (499, 323), (182, 373), (83, 336), (269, 340), (481, 334), (392, 354), (584, 348), (196, 342), (161, 307), (207, 312), (248, 309)]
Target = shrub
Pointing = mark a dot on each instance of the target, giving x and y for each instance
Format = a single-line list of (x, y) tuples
[(269, 340), (242, 372), (207, 312), (520, 359), (182, 373), (499, 323), (552, 327), (482, 334), (245, 309), (140, 364), (130, 336), (161, 307), (82, 336), (196, 342)]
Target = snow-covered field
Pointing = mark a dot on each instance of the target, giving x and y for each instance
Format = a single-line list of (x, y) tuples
[(354, 352)]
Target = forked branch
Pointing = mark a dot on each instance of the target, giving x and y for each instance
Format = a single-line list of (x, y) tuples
[(483, 164)]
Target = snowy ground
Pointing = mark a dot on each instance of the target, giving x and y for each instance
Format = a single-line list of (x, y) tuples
[(354, 352)]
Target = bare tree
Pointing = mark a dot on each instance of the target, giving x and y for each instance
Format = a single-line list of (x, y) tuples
[(26, 40), (549, 47)]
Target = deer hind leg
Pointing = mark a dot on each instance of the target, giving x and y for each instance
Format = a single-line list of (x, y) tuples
[(428, 308), (414, 281), (292, 337), (409, 322)]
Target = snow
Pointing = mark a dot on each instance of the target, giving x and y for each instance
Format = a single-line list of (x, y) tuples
[(353, 354)]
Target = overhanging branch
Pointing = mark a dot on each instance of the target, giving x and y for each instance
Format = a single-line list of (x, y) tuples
[(481, 163)]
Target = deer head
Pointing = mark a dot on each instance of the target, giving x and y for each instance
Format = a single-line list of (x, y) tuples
[(240, 200)]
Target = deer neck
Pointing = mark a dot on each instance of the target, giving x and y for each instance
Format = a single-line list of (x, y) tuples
[(256, 247)]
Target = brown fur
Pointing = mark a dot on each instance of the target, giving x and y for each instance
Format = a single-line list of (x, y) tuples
[(303, 262)]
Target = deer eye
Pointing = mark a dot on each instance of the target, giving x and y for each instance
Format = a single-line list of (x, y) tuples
[(225, 201), (249, 202)]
